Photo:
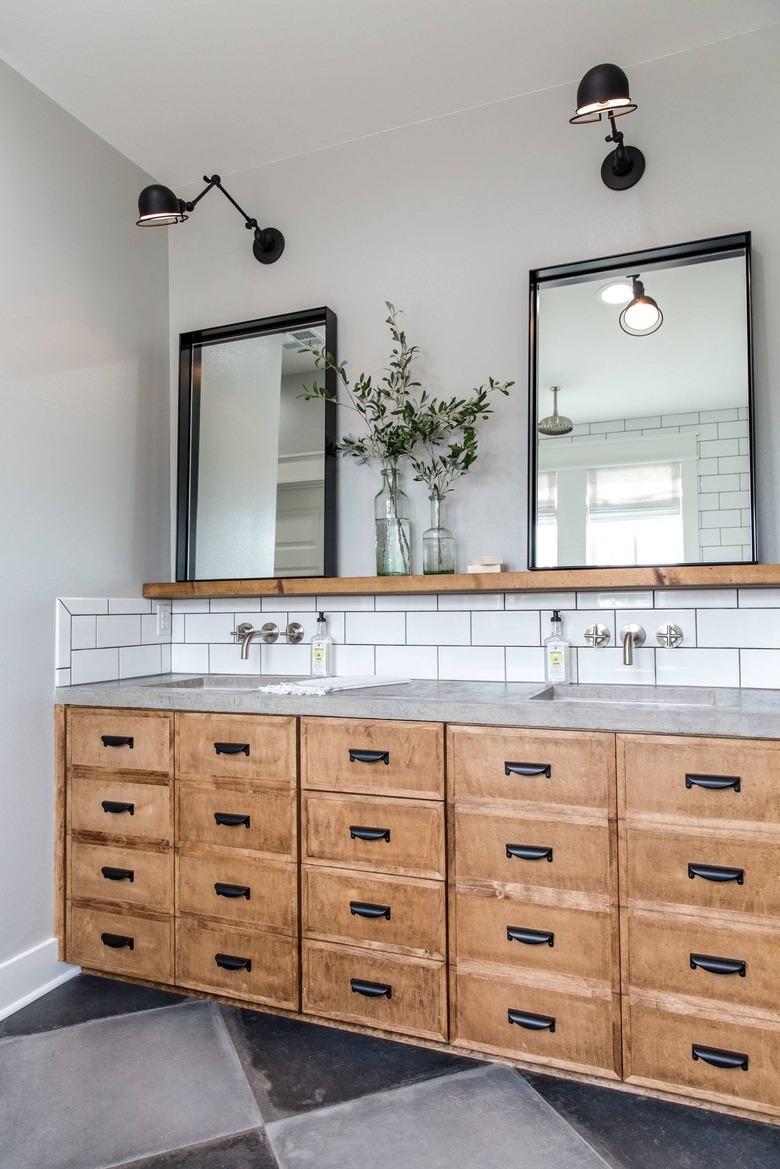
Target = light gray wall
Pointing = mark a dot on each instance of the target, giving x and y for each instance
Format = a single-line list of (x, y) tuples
[(84, 443), (445, 218), (300, 422)]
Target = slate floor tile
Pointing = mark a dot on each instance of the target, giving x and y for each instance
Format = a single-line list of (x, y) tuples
[(112, 1090), (489, 1118), (295, 1067), (83, 998), (245, 1150), (638, 1132)]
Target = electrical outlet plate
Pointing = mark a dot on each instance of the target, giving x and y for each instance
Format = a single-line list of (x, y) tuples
[(163, 618)]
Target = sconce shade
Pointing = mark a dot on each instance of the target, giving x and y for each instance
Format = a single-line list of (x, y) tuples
[(159, 207), (641, 316), (603, 90)]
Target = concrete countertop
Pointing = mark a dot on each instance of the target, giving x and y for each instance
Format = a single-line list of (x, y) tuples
[(680, 710)]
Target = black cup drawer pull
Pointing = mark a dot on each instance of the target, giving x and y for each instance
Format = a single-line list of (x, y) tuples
[(117, 741), (222, 890), (720, 1058), (117, 806), (515, 933), (716, 873), (233, 962), (715, 782), (118, 874), (366, 909), (231, 748), (528, 769), (117, 941), (718, 965), (532, 1022), (358, 832), (232, 819), (356, 756), (371, 990), (529, 852)]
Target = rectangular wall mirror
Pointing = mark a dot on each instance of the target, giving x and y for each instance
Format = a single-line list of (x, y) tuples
[(641, 413), (257, 475)]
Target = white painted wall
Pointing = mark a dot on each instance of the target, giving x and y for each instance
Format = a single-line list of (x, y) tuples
[(84, 455), (444, 218)]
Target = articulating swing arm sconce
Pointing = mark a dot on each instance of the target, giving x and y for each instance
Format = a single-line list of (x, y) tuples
[(158, 206)]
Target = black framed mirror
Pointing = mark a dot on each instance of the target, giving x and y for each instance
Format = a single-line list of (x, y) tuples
[(256, 469), (641, 447)]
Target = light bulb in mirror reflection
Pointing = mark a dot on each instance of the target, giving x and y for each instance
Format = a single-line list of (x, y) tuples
[(642, 316)]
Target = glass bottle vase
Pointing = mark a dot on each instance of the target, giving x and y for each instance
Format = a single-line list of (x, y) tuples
[(438, 542), (393, 528)]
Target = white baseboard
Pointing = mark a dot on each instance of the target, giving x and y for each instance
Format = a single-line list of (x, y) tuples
[(27, 976)]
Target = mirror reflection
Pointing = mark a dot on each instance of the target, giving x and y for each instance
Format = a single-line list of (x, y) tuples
[(256, 487), (641, 396)]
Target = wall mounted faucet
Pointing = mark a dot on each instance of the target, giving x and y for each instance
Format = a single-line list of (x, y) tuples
[(268, 633), (631, 635)]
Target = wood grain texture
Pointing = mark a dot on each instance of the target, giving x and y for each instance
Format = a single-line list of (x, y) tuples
[(152, 953), (272, 904), (272, 812), (416, 827), (151, 819), (271, 741), (415, 752), (150, 730), (272, 979), (418, 1003), (151, 886), (674, 576), (60, 829), (416, 924)]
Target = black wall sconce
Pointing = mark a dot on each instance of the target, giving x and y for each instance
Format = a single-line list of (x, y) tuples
[(158, 206), (604, 91)]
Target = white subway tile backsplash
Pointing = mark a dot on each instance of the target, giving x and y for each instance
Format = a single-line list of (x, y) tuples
[(129, 605), (189, 659), (190, 605), (210, 627), (606, 666), (62, 637), (470, 601), (540, 601), (280, 604), (471, 663), (740, 628), (521, 628), (652, 619), (86, 605), (93, 665), (233, 604), (375, 628), (177, 627), (149, 634), (576, 621), (760, 668), (407, 661), (525, 664), (615, 600), (135, 661), (759, 598), (697, 667), (407, 604), (334, 624), (62, 678), (347, 604), (354, 659), (226, 659), (438, 628), (83, 632), (280, 658), (118, 630), (165, 658), (697, 598)]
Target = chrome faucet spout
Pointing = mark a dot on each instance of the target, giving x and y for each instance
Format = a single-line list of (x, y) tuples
[(631, 635)]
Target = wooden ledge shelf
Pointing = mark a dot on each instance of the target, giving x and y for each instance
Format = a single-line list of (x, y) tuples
[(698, 576)]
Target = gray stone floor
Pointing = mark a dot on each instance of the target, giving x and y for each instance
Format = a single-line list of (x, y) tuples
[(101, 1074)]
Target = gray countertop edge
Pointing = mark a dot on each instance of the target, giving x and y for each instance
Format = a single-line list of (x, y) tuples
[(753, 714)]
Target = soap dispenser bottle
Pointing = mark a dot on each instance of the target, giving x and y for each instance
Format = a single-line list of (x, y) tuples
[(321, 650), (557, 659)]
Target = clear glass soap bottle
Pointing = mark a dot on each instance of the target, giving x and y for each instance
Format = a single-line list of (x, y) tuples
[(321, 650), (557, 656)]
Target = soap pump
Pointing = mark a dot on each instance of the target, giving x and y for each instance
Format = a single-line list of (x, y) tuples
[(557, 662), (321, 650)]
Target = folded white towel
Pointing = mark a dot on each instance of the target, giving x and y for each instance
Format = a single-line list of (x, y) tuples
[(320, 686)]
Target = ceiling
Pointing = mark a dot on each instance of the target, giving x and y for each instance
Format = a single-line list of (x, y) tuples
[(182, 87)]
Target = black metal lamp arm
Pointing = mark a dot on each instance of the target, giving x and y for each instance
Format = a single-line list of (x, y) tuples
[(268, 243), (622, 164)]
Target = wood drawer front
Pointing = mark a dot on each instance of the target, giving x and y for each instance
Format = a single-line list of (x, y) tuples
[(272, 976), (270, 899), (150, 732), (121, 808), (496, 763), (341, 754), (332, 828), (657, 861), (151, 884), (514, 932), (665, 773), (257, 747), (91, 930), (263, 820), (691, 956), (585, 1025), (378, 911), (661, 1054), (580, 852), (418, 989)]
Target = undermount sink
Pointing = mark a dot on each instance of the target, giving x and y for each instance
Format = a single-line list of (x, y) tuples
[(642, 695), (226, 682)]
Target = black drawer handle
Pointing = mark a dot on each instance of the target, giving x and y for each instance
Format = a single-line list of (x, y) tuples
[(231, 748), (719, 1058), (231, 890), (372, 990), (532, 1022), (716, 782), (366, 909), (528, 769), (356, 756), (516, 933), (117, 741), (716, 873), (718, 965), (118, 806), (118, 874), (357, 832), (232, 962), (529, 852), (231, 819), (117, 941)]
